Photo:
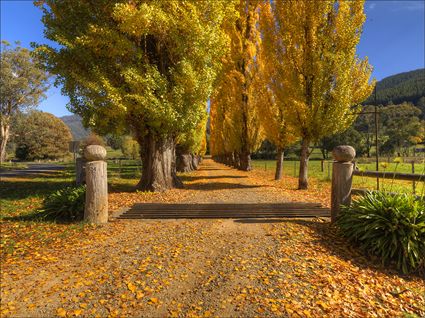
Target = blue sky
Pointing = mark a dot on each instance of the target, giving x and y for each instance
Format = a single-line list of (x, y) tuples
[(393, 38)]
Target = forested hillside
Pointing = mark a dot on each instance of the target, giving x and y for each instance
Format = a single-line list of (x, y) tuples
[(403, 87), (74, 123)]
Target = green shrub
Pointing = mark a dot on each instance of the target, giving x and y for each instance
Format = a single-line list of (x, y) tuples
[(391, 227), (65, 204)]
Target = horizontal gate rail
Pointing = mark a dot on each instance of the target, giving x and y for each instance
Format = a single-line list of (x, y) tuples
[(390, 175)]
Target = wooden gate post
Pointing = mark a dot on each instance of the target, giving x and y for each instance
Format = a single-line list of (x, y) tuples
[(342, 177), (96, 209), (80, 174)]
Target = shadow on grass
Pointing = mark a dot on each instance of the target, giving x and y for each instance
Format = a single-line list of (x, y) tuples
[(114, 187), (18, 190), (39, 217), (125, 172)]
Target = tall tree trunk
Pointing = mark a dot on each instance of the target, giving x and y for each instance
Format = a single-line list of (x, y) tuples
[(303, 175), (195, 161), (183, 160), (158, 156), (3, 142), (236, 160), (245, 161), (279, 164)]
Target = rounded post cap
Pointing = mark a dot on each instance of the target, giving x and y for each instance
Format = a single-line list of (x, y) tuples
[(343, 153), (94, 153)]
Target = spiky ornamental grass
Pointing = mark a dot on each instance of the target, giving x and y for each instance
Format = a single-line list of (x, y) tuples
[(390, 226), (64, 204)]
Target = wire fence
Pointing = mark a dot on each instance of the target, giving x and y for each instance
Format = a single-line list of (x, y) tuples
[(322, 170)]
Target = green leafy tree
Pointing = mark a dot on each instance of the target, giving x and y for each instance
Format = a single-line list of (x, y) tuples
[(130, 148), (350, 137), (114, 141), (365, 123), (421, 105), (22, 86), (146, 65), (402, 127), (41, 135)]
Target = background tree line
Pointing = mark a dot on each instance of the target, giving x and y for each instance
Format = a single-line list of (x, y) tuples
[(294, 76), (400, 126), (281, 70)]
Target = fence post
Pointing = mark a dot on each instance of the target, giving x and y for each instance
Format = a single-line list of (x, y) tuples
[(322, 165), (414, 183), (342, 177), (80, 174), (119, 169), (329, 170), (96, 209)]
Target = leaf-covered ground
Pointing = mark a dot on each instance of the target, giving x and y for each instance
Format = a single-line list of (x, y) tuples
[(245, 267)]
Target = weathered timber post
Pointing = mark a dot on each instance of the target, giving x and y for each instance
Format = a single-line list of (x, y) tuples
[(96, 209), (342, 178), (414, 183), (80, 174)]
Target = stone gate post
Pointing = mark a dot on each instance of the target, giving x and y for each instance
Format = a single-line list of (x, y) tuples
[(342, 178), (96, 208)]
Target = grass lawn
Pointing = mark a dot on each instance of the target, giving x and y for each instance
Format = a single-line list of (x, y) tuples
[(5, 166), (290, 168)]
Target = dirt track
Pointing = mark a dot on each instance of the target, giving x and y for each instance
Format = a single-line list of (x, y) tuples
[(240, 268)]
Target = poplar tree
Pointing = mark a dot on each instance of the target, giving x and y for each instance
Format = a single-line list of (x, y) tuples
[(236, 93), (276, 127), (146, 66), (319, 78)]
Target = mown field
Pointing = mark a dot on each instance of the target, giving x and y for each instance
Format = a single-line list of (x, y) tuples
[(291, 168)]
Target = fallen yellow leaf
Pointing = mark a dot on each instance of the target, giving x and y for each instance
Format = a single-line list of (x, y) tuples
[(131, 287), (153, 300), (61, 312)]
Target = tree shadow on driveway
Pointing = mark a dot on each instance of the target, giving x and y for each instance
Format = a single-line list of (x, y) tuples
[(326, 235), (218, 186), (194, 178)]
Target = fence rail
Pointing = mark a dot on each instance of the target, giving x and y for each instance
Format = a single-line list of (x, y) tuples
[(390, 175)]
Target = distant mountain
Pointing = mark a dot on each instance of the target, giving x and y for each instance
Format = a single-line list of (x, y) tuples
[(75, 123), (399, 88)]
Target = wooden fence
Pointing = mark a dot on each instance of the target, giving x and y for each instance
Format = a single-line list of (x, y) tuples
[(343, 170)]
